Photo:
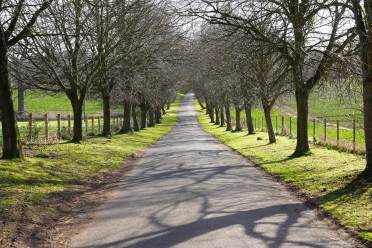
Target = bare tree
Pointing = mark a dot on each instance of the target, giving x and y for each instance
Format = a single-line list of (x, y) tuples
[(16, 21), (295, 29)]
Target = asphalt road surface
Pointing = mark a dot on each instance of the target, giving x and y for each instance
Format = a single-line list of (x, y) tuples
[(189, 190)]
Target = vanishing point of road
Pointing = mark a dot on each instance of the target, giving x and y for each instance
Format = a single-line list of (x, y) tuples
[(190, 191)]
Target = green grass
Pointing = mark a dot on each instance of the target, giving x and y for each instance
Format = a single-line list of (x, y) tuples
[(60, 168), (40, 102), (345, 134), (325, 175)]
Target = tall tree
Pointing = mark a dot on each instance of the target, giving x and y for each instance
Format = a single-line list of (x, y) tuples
[(16, 21), (363, 21), (292, 28)]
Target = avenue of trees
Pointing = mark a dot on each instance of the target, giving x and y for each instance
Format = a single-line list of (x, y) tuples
[(245, 52), (252, 51), (121, 51)]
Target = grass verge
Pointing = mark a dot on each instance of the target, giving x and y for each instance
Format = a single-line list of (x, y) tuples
[(327, 177), (66, 169)]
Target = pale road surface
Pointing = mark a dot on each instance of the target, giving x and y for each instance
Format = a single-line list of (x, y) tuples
[(189, 190)]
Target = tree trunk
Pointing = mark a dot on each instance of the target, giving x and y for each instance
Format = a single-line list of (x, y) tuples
[(200, 103), (238, 124), (126, 128), (248, 117), (77, 107), (163, 111), (151, 118), (207, 107), (302, 147), (211, 113), (143, 117), (157, 116), (217, 111), (106, 99), (21, 99), (134, 118), (367, 107), (222, 117), (363, 27), (269, 124), (228, 117), (11, 144)]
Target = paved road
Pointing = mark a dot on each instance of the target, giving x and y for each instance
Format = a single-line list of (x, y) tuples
[(191, 191)]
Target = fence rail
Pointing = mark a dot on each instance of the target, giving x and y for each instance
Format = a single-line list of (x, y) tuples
[(46, 128), (344, 135)]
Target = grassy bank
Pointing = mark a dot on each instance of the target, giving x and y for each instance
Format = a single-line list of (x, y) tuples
[(60, 169), (326, 176)]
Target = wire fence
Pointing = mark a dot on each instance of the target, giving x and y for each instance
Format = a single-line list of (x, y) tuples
[(343, 134), (49, 128)]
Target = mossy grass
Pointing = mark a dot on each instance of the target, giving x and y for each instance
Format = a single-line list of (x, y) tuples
[(327, 176)]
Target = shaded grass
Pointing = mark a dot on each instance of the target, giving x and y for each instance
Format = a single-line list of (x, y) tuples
[(327, 176), (66, 168)]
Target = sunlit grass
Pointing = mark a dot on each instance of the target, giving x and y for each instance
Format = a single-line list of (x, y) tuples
[(65, 167), (325, 175)]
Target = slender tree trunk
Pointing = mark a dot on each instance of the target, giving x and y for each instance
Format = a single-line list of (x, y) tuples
[(77, 107), (134, 118), (217, 111), (222, 117), (21, 99), (211, 113), (238, 124), (200, 103), (151, 118), (228, 117), (269, 124), (207, 107), (163, 111), (157, 116), (143, 116), (11, 144), (106, 99), (126, 128), (248, 117), (302, 147)]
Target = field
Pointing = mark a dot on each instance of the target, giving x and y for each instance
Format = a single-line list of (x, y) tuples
[(65, 169), (40, 103), (326, 176)]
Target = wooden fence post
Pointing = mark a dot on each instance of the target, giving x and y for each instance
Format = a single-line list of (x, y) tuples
[(46, 126), (276, 124), (99, 124), (338, 132), (69, 124), (92, 124), (30, 126), (314, 126), (354, 135), (59, 126), (283, 125), (86, 124), (325, 130)]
